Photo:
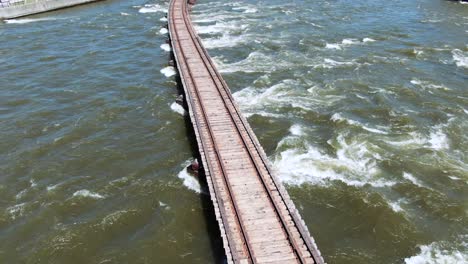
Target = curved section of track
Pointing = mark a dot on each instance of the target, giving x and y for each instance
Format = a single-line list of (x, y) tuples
[(257, 220)]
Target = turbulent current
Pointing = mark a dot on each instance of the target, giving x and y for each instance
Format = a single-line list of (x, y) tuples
[(361, 106)]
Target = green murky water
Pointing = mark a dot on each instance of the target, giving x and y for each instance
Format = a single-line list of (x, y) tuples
[(361, 106)]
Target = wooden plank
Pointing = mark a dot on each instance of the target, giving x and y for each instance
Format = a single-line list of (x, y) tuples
[(246, 198)]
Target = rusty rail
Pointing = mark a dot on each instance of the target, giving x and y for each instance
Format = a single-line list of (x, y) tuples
[(189, 48)]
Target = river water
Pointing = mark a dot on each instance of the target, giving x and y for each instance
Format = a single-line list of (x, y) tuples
[(362, 107)]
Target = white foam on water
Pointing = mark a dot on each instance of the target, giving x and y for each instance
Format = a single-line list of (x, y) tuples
[(396, 205), (255, 62), (436, 253), (52, 187), (114, 217), (350, 41), (221, 27), (165, 47), (152, 8), (344, 43), (168, 71), (246, 9), (16, 211), (438, 140), (189, 181), (287, 93), (415, 139), (163, 31), (410, 177), (21, 194), (29, 20), (330, 64), (460, 58), (163, 19), (313, 89), (33, 183), (357, 156), (261, 113), (314, 25), (251, 10), (124, 14), (296, 130), (361, 97), (87, 193), (374, 130), (427, 85), (164, 205), (333, 46), (431, 20), (209, 18), (226, 41), (354, 164), (178, 109), (210, 29), (365, 40), (418, 52), (337, 117), (251, 98)]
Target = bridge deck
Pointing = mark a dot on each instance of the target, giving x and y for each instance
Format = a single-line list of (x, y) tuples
[(257, 219)]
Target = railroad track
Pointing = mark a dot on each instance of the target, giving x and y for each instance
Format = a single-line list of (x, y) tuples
[(257, 219)]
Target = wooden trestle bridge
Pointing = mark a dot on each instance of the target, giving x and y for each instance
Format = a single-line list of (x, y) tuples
[(257, 219)]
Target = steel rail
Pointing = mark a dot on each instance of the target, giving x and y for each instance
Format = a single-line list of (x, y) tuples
[(274, 204), (215, 76), (221, 208), (231, 194), (296, 220)]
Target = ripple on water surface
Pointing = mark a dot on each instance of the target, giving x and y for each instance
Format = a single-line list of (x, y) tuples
[(90, 149), (363, 113), (370, 142)]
